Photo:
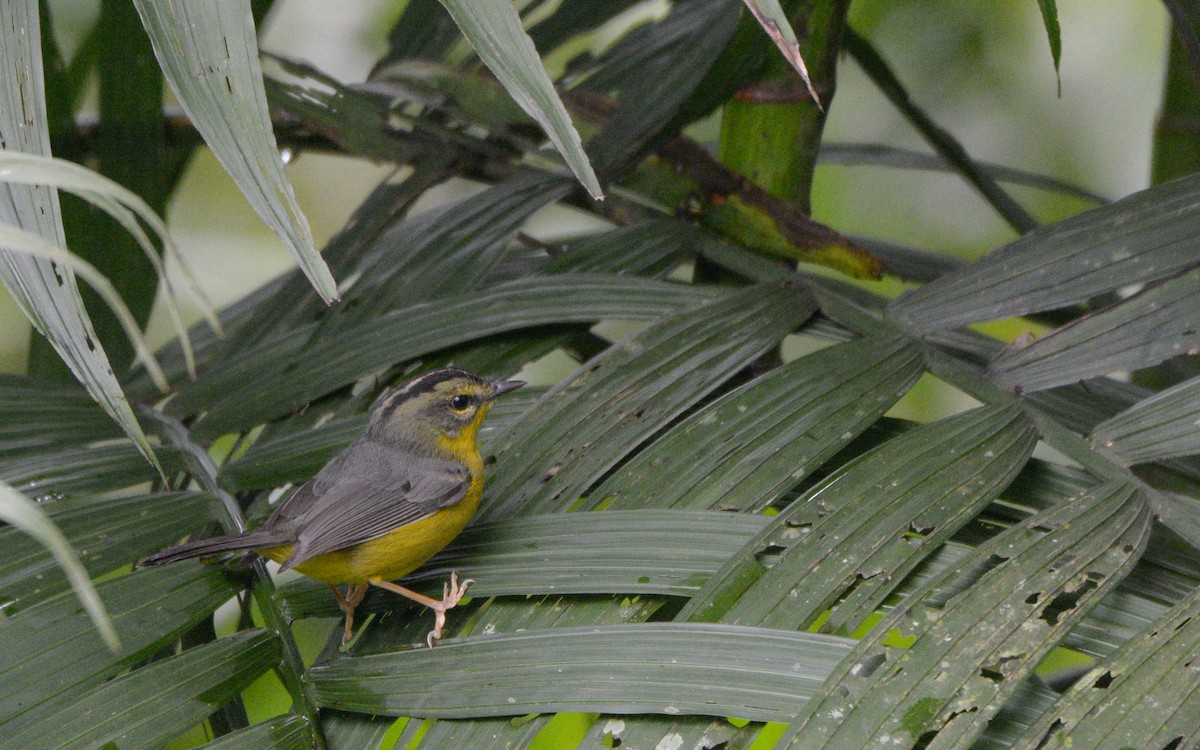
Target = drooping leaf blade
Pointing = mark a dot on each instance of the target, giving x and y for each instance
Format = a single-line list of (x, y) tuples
[(27, 518), (494, 30), (209, 54), (775, 23), (47, 294)]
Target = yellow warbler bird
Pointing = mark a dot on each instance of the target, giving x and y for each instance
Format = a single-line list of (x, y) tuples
[(388, 502)]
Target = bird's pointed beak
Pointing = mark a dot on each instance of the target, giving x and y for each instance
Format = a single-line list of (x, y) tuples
[(501, 387)]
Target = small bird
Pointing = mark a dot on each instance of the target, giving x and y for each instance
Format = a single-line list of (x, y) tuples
[(387, 503)]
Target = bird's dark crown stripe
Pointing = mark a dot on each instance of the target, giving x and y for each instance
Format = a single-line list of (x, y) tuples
[(424, 384)]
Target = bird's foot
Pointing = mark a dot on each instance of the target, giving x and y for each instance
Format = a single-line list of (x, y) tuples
[(452, 593)]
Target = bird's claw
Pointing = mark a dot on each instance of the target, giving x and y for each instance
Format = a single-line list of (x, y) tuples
[(452, 593)]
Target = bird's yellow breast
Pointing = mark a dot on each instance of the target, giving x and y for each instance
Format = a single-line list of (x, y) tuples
[(396, 553)]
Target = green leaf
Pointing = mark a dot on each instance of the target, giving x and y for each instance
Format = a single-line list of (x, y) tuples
[(63, 414), (46, 293), (1156, 427), (878, 154), (209, 55), (1049, 10), (746, 449), (937, 668), (656, 67), (150, 609), (292, 371), (54, 472), (148, 706), (843, 546), (18, 241), (494, 30), (126, 208), (107, 533), (1160, 322), (1144, 237), (445, 251), (649, 248), (1146, 695), (26, 517), (670, 668), (588, 422), (281, 733)]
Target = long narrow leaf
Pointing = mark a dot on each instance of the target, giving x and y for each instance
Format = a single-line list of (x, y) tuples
[(494, 30), (280, 733), (25, 516), (1144, 237), (54, 472), (745, 449), (148, 706), (670, 668), (50, 653), (109, 534), (774, 21), (126, 207), (209, 55), (1157, 427), (1160, 322), (282, 384), (935, 670), (48, 295), (16, 240), (842, 546), (1146, 695), (585, 424)]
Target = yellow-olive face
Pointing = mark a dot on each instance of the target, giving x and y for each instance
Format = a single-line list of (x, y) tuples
[(438, 403)]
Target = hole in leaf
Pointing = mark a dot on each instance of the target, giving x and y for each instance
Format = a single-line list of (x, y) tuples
[(913, 528), (1053, 730), (551, 472), (1066, 601), (1103, 681), (769, 555), (1174, 744), (991, 674), (1033, 598), (867, 666)]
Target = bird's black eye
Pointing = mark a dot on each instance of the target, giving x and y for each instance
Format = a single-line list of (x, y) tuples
[(460, 402)]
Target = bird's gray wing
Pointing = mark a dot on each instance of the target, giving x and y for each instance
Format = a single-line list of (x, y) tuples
[(374, 490)]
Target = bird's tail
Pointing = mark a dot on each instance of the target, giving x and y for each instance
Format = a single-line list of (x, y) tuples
[(216, 545)]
